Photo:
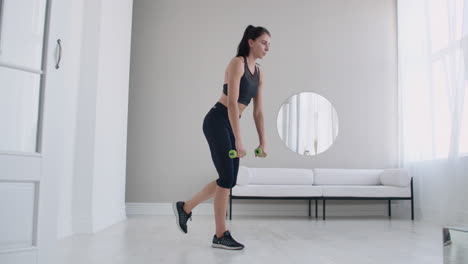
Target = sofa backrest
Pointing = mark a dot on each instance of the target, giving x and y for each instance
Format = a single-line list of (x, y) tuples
[(274, 176), (347, 176), (322, 176)]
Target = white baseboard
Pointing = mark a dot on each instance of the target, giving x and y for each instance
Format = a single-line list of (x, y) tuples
[(266, 209)]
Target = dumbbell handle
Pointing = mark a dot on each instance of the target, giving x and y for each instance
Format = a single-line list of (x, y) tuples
[(233, 154), (258, 152)]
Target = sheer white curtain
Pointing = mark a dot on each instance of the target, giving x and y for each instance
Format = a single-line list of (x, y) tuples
[(433, 104)]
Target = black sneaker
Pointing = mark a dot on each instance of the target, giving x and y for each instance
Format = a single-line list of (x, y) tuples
[(181, 216), (226, 242)]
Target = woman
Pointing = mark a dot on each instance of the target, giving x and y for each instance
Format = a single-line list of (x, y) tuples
[(242, 81)]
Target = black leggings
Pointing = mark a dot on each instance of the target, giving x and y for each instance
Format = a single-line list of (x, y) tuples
[(218, 133)]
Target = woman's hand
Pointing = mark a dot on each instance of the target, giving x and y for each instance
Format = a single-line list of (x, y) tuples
[(240, 149)]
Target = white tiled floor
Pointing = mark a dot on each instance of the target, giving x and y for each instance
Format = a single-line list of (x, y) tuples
[(156, 239)]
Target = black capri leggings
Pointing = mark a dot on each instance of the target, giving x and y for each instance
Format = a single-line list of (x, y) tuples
[(218, 133)]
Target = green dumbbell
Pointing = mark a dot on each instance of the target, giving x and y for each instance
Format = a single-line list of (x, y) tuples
[(258, 152), (233, 154)]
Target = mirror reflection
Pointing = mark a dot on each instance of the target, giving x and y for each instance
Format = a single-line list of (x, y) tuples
[(307, 123)]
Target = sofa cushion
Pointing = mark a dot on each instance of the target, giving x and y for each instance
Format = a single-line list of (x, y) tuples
[(365, 191), (347, 176), (395, 177), (277, 190), (281, 176)]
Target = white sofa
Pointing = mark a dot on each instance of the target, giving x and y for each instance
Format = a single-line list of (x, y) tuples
[(323, 184)]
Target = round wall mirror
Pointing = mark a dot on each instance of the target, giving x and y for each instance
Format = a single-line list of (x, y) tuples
[(307, 123)]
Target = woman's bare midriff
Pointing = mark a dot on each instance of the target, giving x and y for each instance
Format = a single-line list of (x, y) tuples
[(224, 100)]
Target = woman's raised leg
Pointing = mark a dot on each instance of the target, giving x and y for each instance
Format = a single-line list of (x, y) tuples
[(206, 193)]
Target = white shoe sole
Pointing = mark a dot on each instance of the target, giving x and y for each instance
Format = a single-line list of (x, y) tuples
[(176, 213), (225, 247)]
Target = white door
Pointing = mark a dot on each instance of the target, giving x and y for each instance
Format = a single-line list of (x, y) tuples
[(30, 81)]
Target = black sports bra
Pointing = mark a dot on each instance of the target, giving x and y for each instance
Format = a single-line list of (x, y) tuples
[(248, 87)]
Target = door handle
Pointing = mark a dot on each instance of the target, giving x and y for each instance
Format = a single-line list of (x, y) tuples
[(59, 43)]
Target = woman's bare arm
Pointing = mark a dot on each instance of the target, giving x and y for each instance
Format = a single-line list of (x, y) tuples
[(235, 72), (258, 112)]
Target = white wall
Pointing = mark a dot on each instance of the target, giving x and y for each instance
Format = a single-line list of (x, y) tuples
[(93, 192), (71, 69), (111, 113), (344, 50)]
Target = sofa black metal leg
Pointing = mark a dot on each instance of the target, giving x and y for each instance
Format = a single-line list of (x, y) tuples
[(412, 209), (309, 208), (323, 208), (316, 208), (230, 207), (412, 200), (389, 207)]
